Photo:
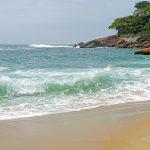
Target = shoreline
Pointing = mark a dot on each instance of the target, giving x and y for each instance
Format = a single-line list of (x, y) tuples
[(108, 128), (82, 110)]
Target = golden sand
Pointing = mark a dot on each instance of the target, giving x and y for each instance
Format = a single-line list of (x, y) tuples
[(120, 127)]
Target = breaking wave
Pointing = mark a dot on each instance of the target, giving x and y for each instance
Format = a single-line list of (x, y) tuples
[(26, 93), (2, 69), (15, 87), (49, 46), (32, 82)]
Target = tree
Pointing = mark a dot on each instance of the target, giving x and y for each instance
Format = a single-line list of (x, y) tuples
[(141, 5), (147, 27), (136, 23), (142, 8)]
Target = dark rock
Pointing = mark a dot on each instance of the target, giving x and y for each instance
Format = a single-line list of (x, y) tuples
[(101, 42), (78, 45), (91, 44), (145, 51)]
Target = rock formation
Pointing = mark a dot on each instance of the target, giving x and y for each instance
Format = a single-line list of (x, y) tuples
[(145, 51), (124, 41)]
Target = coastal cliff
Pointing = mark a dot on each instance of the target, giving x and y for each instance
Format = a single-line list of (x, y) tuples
[(123, 41)]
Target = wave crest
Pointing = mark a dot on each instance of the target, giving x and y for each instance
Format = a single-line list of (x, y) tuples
[(48, 46), (2, 69), (31, 87)]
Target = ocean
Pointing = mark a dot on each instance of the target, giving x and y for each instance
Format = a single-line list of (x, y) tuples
[(36, 80)]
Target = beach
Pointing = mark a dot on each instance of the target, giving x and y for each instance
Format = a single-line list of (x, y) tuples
[(69, 83), (123, 126), (64, 98)]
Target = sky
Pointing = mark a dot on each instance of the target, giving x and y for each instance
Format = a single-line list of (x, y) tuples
[(59, 21)]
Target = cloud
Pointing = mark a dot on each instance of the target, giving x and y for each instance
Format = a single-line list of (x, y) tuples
[(61, 21)]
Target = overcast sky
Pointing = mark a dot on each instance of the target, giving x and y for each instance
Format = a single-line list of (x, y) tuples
[(58, 21)]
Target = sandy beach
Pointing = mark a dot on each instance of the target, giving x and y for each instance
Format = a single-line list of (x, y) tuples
[(75, 75), (124, 126)]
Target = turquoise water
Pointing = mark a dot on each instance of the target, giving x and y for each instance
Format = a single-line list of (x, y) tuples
[(42, 79)]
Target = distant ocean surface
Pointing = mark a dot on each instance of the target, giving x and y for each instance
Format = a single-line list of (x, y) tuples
[(41, 79)]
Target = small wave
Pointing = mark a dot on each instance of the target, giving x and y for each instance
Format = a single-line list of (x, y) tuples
[(77, 46), (48, 46), (2, 69), (16, 87)]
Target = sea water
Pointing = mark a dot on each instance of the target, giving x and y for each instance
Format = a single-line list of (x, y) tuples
[(42, 79)]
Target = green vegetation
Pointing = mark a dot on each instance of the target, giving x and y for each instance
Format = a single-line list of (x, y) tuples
[(139, 22)]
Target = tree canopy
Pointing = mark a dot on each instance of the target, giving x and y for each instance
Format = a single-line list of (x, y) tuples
[(139, 22)]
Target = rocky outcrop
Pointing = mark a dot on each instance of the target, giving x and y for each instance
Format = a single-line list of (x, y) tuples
[(100, 42), (145, 51), (78, 45), (91, 44), (124, 41)]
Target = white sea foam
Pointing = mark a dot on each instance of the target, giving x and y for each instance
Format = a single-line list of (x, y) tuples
[(49, 46), (77, 46), (2, 69), (32, 98)]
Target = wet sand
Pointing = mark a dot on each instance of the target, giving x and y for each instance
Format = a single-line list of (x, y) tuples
[(119, 127)]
